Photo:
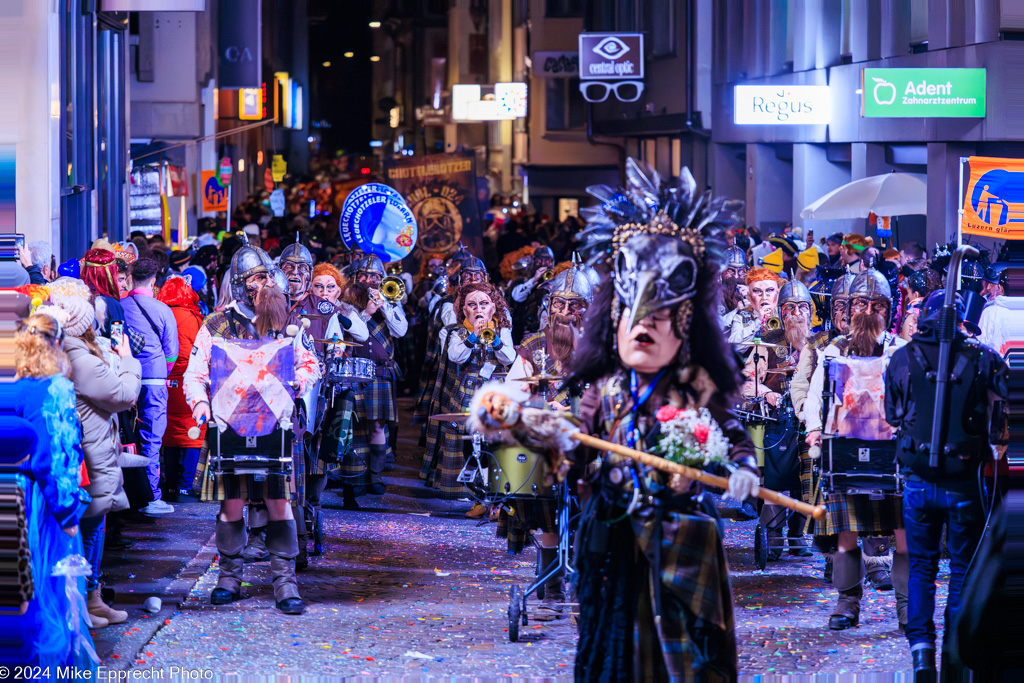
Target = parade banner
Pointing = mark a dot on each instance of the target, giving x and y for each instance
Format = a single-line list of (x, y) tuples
[(441, 191), (994, 202)]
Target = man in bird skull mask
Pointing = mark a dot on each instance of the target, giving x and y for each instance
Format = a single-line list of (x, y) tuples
[(654, 347)]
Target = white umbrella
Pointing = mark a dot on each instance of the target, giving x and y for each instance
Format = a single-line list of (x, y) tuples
[(890, 194)]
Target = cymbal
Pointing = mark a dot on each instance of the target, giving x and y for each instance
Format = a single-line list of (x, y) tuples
[(752, 344), (787, 370), (450, 417), (339, 342), (534, 379)]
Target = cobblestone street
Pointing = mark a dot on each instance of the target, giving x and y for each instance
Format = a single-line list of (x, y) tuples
[(409, 587)]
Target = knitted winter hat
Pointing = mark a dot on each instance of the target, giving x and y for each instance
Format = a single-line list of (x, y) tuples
[(80, 313)]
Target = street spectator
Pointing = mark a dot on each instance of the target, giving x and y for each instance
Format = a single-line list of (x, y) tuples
[(181, 453), (100, 274), (40, 269), (834, 249), (155, 321), (102, 388)]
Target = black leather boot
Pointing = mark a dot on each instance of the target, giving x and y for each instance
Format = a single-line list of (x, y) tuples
[(230, 543), (924, 665), (349, 501), (847, 577), (375, 466), (283, 546)]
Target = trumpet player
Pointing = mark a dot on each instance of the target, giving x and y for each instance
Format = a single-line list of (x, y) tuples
[(526, 296), (375, 402), (761, 312)]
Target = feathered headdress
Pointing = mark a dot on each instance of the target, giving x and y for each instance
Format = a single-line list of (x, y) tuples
[(656, 237)]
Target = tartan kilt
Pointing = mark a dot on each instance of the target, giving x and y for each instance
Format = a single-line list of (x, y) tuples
[(442, 465), (291, 487), (861, 514), (376, 401), (335, 436), (541, 513), (428, 378), (808, 482)]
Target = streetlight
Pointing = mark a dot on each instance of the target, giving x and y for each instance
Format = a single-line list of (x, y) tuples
[(375, 58), (374, 24), (350, 54), (326, 65)]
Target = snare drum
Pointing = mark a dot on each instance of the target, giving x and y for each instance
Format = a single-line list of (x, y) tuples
[(256, 455), (517, 473), (856, 466), (348, 370)]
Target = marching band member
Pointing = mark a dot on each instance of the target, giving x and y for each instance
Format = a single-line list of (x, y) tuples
[(525, 296), (375, 402), (571, 294), (851, 516), (762, 300), (327, 321), (734, 285), (259, 309), (472, 350)]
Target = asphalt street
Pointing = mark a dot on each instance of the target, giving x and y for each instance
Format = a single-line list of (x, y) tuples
[(409, 587)]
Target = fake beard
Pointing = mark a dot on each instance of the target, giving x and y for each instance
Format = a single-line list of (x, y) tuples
[(356, 294), (730, 296), (798, 328), (563, 334), (865, 327)]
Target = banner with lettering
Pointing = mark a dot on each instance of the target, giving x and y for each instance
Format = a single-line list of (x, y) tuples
[(994, 201), (441, 191)]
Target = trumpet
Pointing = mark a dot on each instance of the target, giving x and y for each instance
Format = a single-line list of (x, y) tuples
[(392, 288), (487, 335), (772, 323), (547, 275)]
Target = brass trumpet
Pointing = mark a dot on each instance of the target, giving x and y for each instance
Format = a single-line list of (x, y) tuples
[(772, 323), (547, 275), (392, 288), (488, 335)]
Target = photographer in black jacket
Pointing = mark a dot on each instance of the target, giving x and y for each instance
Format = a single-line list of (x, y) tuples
[(948, 494)]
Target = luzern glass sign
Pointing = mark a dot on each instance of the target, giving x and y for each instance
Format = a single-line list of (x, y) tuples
[(782, 104), (923, 93)]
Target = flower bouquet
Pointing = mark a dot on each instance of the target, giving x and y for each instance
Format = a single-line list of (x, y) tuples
[(690, 437)]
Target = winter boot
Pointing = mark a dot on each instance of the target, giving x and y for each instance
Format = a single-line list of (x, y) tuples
[(901, 584), (97, 622), (847, 577), (924, 665), (230, 544), (98, 608), (349, 501), (283, 546), (256, 549), (378, 456), (877, 562), (552, 606)]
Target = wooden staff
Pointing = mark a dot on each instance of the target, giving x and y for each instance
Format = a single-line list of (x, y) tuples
[(817, 512)]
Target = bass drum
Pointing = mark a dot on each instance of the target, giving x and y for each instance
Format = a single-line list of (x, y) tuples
[(517, 473)]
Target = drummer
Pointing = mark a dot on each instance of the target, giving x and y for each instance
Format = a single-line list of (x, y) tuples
[(472, 350), (767, 374), (550, 350), (323, 448)]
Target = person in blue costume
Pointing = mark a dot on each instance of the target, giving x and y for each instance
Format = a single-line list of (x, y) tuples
[(54, 628)]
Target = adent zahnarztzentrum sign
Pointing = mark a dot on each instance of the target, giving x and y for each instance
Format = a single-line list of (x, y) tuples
[(924, 93)]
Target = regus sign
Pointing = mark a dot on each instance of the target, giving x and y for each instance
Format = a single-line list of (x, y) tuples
[(782, 104), (923, 93)]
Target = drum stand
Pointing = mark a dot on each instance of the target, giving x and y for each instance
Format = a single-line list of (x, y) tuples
[(517, 597)]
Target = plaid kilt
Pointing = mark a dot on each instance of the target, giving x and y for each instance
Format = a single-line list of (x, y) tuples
[(334, 438), (440, 396), (428, 376), (376, 401), (861, 514), (245, 487), (541, 513)]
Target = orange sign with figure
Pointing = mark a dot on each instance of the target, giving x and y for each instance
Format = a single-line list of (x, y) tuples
[(215, 196), (994, 201)]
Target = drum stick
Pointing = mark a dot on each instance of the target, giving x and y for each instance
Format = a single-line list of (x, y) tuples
[(774, 497)]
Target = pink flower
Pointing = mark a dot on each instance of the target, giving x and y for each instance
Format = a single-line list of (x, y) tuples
[(700, 432), (666, 413)]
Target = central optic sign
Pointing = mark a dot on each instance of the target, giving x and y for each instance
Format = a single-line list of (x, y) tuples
[(924, 93), (782, 104), (611, 62)]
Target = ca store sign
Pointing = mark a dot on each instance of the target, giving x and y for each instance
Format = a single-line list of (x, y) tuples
[(782, 105)]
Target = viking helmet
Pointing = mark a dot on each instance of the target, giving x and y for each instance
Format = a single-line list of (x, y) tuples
[(298, 254), (472, 264), (841, 287), (794, 292), (370, 265), (572, 283), (735, 258), (249, 261), (543, 252), (872, 285)]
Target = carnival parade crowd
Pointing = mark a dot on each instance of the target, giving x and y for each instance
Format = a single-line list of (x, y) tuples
[(656, 322)]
